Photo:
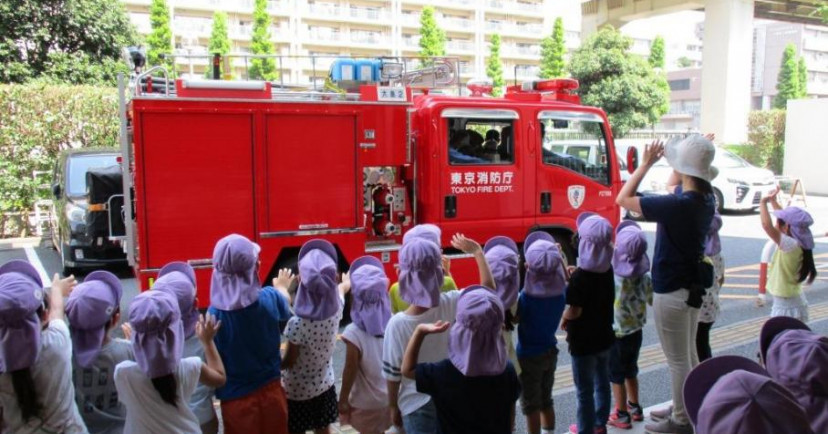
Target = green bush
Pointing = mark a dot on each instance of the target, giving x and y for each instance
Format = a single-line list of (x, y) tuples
[(37, 121), (766, 140)]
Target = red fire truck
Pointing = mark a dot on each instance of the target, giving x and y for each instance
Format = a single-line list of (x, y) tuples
[(358, 168)]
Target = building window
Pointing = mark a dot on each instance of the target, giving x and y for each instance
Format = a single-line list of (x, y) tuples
[(683, 84)]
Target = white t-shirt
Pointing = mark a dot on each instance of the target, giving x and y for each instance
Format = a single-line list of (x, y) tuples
[(201, 403), (52, 375), (434, 349), (312, 373), (146, 411), (95, 391), (369, 391)]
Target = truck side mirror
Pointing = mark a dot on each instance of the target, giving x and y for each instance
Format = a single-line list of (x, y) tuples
[(632, 159), (56, 191)]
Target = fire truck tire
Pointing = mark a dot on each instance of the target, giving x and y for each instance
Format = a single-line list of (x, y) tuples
[(565, 240)]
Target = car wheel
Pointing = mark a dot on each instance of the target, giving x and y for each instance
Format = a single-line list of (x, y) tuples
[(566, 247), (719, 200), (65, 269)]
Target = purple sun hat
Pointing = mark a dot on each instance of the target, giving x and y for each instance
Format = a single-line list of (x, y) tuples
[(317, 298), (537, 236), (176, 279), (545, 275), (421, 273), (800, 222), (371, 306), (630, 256), (21, 295), (89, 310), (158, 334), (425, 231), (595, 243), (476, 345), (798, 360), (235, 281), (712, 243), (734, 394), (773, 327), (502, 256)]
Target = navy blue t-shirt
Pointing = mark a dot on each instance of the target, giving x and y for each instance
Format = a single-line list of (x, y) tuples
[(477, 405), (683, 221), (249, 341), (539, 319)]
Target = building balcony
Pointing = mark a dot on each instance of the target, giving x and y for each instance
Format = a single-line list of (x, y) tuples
[(454, 46), (511, 50), (455, 24), (454, 4), (340, 13), (371, 39), (504, 28), (516, 7), (522, 72)]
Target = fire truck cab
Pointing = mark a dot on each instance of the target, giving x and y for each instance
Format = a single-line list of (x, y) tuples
[(358, 168)]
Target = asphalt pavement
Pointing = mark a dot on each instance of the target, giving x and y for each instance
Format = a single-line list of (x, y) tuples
[(735, 332)]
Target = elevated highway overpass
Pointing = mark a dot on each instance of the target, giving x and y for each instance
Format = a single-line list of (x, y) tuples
[(728, 47)]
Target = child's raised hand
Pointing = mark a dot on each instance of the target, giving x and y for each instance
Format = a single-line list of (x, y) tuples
[(465, 245), (65, 285), (207, 327), (437, 327), (127, 329), (284, 279)]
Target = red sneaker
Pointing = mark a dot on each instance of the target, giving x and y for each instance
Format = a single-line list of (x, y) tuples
[(620, 419)]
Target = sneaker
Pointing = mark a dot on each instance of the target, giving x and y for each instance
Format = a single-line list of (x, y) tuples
[(573, 429), (636, 412), (668, 426), (620, 419), (662, 414)]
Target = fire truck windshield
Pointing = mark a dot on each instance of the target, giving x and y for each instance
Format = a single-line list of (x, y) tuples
[(578, 145)]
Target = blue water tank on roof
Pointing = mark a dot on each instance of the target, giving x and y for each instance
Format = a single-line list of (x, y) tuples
[(368, 69), (344, 70)]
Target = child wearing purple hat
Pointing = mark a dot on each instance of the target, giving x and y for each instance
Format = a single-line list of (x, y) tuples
[(36, 390), (503, 259), (709, 311), (307, 363), (540, 306), (588, 319), (252, 400), (633, 292), (93, 310), (475, 388), (363, 399), (431, 233), (797, 358), (734, 395), (178, 279), (421, 276), (156, 388), (793, 261)]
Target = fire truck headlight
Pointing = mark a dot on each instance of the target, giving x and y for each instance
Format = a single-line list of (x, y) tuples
[(75, 214)]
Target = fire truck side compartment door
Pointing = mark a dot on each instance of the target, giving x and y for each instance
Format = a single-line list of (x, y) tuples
[(311, 173), (197, 172)]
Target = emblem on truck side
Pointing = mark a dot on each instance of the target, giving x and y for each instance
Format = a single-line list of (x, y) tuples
[(575, 194)]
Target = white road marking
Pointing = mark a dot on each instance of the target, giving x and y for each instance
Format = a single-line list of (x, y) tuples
[(31, 255)]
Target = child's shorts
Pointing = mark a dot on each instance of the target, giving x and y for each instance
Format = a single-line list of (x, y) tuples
[(313, 414), (624, 357), (537, 377), (376, 420), (264, 410)]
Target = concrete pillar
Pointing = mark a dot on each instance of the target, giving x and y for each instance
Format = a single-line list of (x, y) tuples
[(728, 44)]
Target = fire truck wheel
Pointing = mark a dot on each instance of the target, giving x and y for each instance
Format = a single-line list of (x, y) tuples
[(565, 240)]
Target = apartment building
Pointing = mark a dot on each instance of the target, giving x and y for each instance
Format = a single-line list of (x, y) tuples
[(769, 42), (369, 28)]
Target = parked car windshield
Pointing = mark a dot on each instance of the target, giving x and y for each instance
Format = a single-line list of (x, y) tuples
[(727, 160), (79, 165)]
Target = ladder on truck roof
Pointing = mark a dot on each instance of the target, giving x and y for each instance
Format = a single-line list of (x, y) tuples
[(419, 73)]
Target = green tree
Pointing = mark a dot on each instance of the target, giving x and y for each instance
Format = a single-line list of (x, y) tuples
[(802, 73), (432, 37), (656, 58), (684, 62), (260, 43), (553, 50), (823, 10), (219, 41), (68, 41), (494, 68), (624, 86), (787, 84), (160, 38)]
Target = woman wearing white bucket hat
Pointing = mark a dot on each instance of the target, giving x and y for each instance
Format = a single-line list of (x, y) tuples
[(683, 220)]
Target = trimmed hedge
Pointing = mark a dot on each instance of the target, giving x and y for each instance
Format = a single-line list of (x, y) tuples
[(766, 140), (37, 121)]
